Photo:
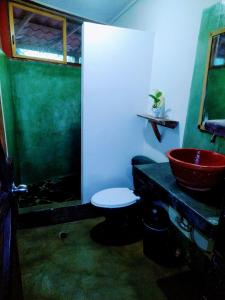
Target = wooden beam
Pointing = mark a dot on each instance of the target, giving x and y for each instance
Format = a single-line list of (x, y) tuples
[(23, 23), (73, 31), (68, 34)]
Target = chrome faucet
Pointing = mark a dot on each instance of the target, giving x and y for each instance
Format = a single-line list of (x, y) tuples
[(22, 188), (213, 138)]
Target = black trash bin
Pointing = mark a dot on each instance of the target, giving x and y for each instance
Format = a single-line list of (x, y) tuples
[(156, 234)]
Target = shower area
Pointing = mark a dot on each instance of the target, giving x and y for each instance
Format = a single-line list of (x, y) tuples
[(41, 101), (47, 104)]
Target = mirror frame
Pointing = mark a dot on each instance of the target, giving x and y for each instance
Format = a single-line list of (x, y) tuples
[(205, 80)]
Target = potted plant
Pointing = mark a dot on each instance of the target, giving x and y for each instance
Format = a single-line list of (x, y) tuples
[(158, 106)]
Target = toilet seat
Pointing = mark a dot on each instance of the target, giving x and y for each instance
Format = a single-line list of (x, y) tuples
[(114, 198)]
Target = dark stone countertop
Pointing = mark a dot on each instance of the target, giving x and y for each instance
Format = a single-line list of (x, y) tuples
[(201, 209)]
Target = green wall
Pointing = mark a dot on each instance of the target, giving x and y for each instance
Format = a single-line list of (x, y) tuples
[(47, 104), (212, 19), (7, 104)]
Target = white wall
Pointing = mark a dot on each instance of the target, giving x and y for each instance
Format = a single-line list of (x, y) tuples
[(115, 78), (176, 25)]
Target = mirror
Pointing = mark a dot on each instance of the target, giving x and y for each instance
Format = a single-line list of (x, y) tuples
[(212, 110)]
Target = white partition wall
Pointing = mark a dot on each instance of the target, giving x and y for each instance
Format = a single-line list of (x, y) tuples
[(116, 73)]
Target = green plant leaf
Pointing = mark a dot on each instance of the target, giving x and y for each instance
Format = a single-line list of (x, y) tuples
[(153, 97), (158, 94)]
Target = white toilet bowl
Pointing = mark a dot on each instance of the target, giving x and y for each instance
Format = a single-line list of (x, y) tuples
[(120, 208)]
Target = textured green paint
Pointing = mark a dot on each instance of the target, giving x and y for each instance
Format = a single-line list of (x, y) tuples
[(215, 95), (47, 104), (212, 19), (7, 104)]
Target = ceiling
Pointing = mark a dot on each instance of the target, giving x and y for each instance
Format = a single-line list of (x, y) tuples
[(102, 11)]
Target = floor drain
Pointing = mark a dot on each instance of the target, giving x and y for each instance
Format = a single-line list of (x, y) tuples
[(62, 235)]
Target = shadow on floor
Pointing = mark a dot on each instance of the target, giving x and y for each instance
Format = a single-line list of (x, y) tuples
[(182, 286)]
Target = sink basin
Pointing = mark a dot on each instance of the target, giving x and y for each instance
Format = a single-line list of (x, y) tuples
[(197, 169)]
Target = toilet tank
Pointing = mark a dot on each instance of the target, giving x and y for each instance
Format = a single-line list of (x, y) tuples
[(141, 160)]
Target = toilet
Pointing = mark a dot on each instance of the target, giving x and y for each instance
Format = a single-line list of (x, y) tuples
[(114, 198), (119, 206), (122, 210)]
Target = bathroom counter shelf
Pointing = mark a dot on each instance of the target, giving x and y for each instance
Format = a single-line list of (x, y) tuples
[(202, 210), (159, 121)]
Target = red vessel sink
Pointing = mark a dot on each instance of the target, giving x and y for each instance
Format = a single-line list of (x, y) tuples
[(197, 169)]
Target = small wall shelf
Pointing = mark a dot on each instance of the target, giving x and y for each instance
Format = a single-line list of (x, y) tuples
[(159, 121)]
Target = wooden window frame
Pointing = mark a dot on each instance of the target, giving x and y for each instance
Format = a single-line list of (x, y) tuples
[(43, 13)]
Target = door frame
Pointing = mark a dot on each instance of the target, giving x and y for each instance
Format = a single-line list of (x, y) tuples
[(3, 137)]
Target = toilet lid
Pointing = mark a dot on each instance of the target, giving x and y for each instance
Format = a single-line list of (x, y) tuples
[(114, 198)]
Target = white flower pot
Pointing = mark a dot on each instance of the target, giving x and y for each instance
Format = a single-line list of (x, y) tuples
[(158, 112)]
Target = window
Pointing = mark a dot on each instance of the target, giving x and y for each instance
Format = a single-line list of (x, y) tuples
[(38, 34), (74, 42)]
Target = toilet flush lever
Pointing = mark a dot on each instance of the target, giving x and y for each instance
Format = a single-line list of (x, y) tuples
[(183, 224), (22, 188)]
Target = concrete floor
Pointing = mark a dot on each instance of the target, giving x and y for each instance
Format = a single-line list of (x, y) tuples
[(76, 268)]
